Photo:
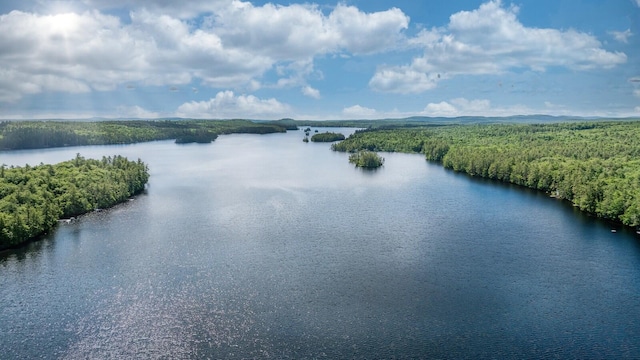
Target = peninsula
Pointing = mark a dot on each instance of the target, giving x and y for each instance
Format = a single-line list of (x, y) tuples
[(34, 198)]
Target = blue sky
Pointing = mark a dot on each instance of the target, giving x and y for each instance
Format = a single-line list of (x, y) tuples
[(318, 60)]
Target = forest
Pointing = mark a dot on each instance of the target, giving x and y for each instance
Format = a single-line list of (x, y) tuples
[(34, 198), (16, 135), (421, 121), (594, 165)]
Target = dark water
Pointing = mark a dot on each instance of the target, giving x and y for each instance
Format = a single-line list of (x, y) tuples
[(267, 247)]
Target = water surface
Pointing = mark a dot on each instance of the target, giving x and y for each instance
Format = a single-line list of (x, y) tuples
[(267, 247)]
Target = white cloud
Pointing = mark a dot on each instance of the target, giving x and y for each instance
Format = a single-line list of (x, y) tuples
[(79, 52), (442, 108), (402, 80), (622, 36), (311, 92), (425, 38), (638, 3), (40, 52), (476, 107), (179, 9), (636, 92), (491, 40), (359, 112), (234, 45), (295, 74), (136, 112), (227, 105), (451, 108), (298, 31), (367, 33)]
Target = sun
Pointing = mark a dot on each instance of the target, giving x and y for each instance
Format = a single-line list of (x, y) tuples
[(63, 24), (63, 17)]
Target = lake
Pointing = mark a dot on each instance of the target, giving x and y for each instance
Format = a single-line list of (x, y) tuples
[(262, 246)]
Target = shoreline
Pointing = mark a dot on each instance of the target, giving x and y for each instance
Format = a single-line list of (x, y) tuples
[(565, 202), (36, 198), (72, 219)]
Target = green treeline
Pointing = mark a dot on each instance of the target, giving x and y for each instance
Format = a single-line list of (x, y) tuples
[(201, 136), (421, 121), (327, 137), (46, 134), (33, 198), (595, 165)]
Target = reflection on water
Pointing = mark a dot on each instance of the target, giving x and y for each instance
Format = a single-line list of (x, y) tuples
[(267, 247)]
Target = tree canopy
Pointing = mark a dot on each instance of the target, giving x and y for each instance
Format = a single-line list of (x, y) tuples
[(327, 137), (366, 159), (33, 198), (46, 134)]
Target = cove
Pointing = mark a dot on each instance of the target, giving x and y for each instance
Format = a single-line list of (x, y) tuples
[(268, 247)]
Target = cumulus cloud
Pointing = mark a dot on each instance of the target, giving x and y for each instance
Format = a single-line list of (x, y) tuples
[(13, 84), (363, 33), (451, 108), (403, 80), (79, 52), (491, 40), (476, 107), (136, 112), (295, 74), (300, 30), (636, 92), (359, 112), (311, 92), (231, 44), (622, 36), (227, 105), (442, 108)]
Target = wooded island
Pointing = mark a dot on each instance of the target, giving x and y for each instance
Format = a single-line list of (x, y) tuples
[(33, 198), (327, 137), (366, 159)]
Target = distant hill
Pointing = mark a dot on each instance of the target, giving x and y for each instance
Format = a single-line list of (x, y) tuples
[(291, 124), (438, 121)]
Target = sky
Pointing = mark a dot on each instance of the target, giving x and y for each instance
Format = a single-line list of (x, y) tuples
[(350, 59)]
